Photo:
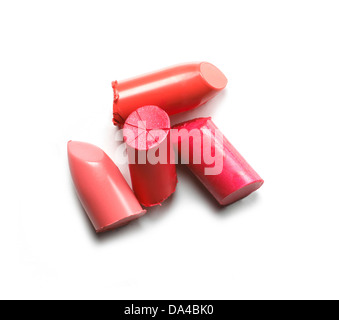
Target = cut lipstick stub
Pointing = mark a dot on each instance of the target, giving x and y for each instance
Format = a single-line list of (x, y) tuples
[(175, 89), (150, 155), (214, 161), (104, 193)]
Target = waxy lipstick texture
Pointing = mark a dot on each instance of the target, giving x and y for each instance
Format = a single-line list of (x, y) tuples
[(237, 178), (152, 168), (174, 89), (104, 193)]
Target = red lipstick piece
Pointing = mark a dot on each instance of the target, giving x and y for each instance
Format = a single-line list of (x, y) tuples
[(104, 193), (199, 141), (175, 89), (150, 155)]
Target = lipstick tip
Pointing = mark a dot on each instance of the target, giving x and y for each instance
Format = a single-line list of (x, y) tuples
[(213, 76), (84, 151)]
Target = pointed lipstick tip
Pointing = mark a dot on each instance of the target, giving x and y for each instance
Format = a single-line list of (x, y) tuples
[(84, 151)]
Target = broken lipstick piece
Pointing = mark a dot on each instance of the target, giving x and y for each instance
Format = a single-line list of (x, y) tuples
[(230, 177), (175, 89), (104, 193), (150, 155)]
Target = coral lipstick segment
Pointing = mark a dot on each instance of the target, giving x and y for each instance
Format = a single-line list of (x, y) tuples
[(104, 193), (175, 89), (150, 155), (214, 161)]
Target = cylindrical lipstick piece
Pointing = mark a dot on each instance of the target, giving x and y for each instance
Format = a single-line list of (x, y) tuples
[(151, 158), (214, 161), (175, 89), (104, 193)]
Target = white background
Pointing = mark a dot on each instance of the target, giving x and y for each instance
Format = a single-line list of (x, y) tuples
[(280, 110)]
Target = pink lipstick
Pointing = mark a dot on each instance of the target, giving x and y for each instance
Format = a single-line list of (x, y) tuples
[(104, 193)]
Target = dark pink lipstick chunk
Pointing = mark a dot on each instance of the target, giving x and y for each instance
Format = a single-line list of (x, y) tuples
[(232, 178)]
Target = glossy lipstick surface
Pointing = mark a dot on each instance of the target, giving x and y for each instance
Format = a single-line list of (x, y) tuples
[(104, 193), (236, 179), (153, 172), (175, 89)]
